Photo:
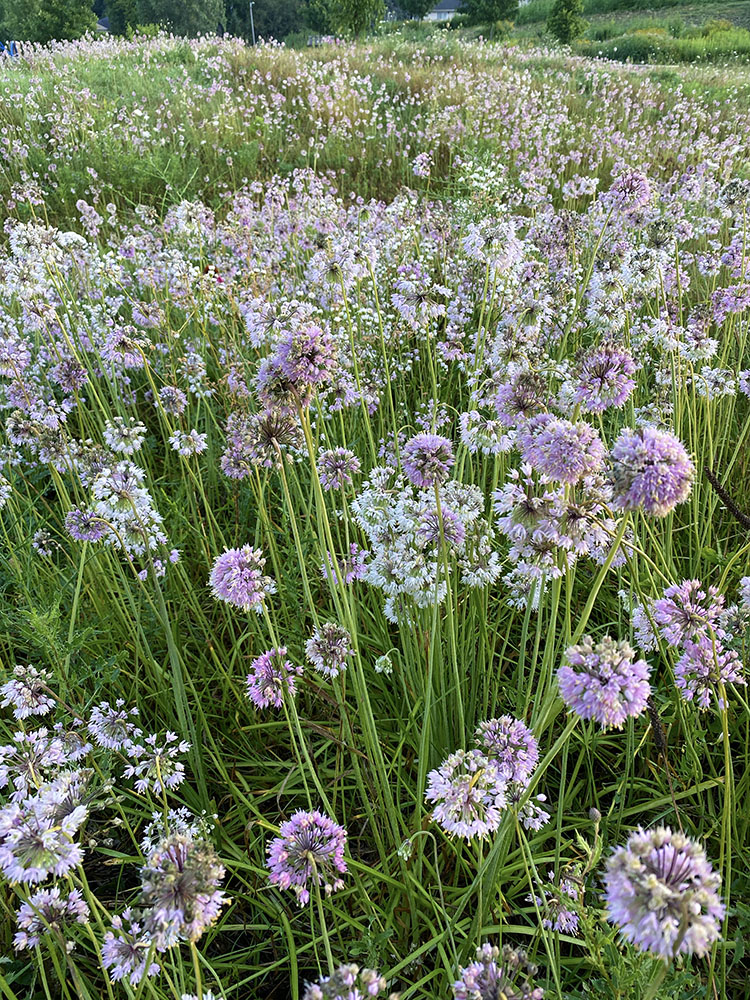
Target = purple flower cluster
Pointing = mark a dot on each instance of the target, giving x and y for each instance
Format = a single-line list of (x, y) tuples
[(48, 911), (511, 745), (564, 451), (604, 378), (348, 982), (237, 578), (309, 851), (494, 974), (663, 894), (336, 468), (28, 692), (269, 676), (604, 681), (469, 794), (427, 459), (329, 648), (650, 469)]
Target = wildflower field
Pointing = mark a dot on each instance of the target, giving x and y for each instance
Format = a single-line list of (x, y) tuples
[(375, 590)]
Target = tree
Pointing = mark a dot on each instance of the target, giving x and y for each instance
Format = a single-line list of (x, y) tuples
[(490, 11), (122, 14), (43, 20), (184, 17), (566, 21), (271, 18), (417, 8), (354, 17)]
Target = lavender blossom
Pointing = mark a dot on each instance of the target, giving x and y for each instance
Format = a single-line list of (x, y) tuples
[(237, 578), (128, 950), (604, 681), (270, 674), (156, 767), (28, 692), (703, 666), (427, 459), (336, 468), (510, 745), (328, 649), (48, 911), (687, 611), (560, 449), (663, 894), (309, 851), (112, 726), (495, 974), (348, 982), (604, 378), (469, 793), (650, 469), (36, 836), (180, 888), (85, 525)]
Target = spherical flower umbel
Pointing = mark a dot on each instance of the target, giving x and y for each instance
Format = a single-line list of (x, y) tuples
[(27, 691), (688, 611), (495, 974), (237, 578), (336, 468), (270, 673), (127, 948), (663, 894), (510, 745), (604, 681), (604, 378), (562, 450), (48, 910), (427, 459), (469, 793), (703, 666), (328, 649), (650, 469), (348, 982), (180, 887), (309, 851)]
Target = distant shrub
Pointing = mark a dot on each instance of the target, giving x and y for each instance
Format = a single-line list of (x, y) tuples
[(566, 21)]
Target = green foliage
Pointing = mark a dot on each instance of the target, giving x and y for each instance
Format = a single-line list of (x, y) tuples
[(565, 21), (417, 8), (43, 20), (271, 19), (355, 17), (122, 14), (491, 11), (184, 17)]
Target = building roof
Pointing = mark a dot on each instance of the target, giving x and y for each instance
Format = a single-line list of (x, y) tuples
[(446, 5)]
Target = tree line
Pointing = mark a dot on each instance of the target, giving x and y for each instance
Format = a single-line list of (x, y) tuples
[(42, 20)]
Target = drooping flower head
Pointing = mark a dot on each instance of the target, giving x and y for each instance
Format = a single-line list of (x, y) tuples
[(650, 469), (604, 681), (37, 836), (427, 459), (328, 649), (469, 794), (630, 192), (27, 691), (113, 726), (85, 525), (180, 888), (237, 578), (687, 611), (48, 910), (703, 666), (336, 468), (510, 745), (562, 450), (495, 974), (348, 982), (604, 378), (663, 894), (270, 673), (558, 905), (309, 851), (128, 950)]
